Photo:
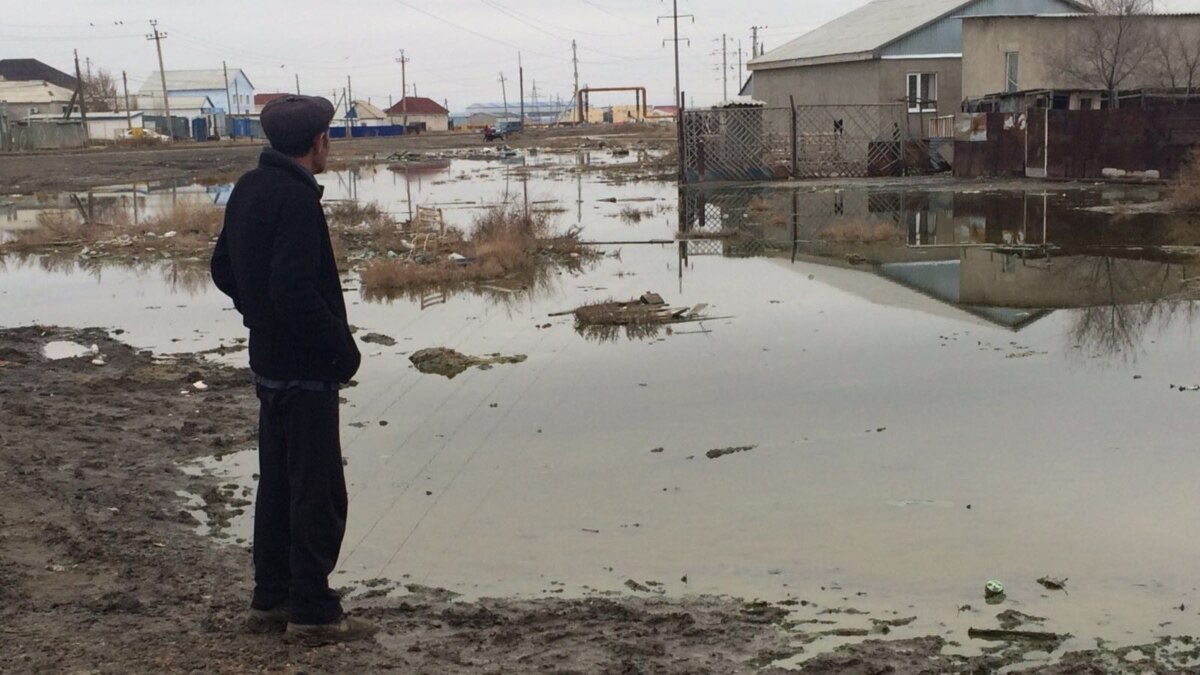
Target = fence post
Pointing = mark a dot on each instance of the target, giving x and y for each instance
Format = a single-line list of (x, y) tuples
[(795, 133)]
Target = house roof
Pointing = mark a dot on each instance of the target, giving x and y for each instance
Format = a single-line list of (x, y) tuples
[(191, 80), (263, 99), (32, 70), (33, 92), (367, 111), (415, 105), (862, 32)]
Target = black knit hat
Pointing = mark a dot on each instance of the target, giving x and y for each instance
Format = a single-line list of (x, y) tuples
[(292, 122)]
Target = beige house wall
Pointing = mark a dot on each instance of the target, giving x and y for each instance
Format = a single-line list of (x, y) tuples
[(857, 83), (835, 84), (432, 122), (988, 40)]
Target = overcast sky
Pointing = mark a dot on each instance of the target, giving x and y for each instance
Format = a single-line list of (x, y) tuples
[(458, 48)]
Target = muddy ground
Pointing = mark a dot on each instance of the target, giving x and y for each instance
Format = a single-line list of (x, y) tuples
[(102, 569), (23, 173)]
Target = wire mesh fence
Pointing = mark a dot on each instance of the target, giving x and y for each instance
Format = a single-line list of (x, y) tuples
[(756, 143)]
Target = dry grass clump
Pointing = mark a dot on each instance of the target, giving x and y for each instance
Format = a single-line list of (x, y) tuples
[(1185, 189), (633, 216), (504, 243), (188, 226), (55, 228), (351, 214), (195, 223), (861, 232)]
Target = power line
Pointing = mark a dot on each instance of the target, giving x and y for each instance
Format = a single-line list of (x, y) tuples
[(472, 31)]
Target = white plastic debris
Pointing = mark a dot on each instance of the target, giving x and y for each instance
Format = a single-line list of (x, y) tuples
[(95, 350), (98, 361), (169, 235), (62, 349), (200, 386)]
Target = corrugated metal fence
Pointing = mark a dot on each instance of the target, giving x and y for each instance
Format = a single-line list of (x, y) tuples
[(47, 135), (5, 137), (1077, 144)]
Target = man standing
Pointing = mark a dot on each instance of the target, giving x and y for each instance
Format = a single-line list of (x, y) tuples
[(274, 259)]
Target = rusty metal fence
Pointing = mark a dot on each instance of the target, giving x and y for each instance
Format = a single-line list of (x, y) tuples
[(756, 143)]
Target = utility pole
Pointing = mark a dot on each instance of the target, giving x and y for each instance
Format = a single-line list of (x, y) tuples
[(228, 102), (740, 70), (349, 101), (575, 94), (754, 52), (82, 97), (403, 61), (724, 67), (88, 61), (675, 17), (504, 92), (535, 97), (297, 84), (128, 112), (521, 78), (158, 37)]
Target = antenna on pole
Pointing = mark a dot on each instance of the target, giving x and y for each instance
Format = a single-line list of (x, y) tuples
[(675, 16), (158, 37)]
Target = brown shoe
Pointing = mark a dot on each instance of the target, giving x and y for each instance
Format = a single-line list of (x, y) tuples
[(347, 629), (268, 620)]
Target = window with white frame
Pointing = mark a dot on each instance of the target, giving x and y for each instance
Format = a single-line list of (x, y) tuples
[(1012, 66), (922, 92)]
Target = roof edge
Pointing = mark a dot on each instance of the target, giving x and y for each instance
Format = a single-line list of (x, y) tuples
[(852, 57)]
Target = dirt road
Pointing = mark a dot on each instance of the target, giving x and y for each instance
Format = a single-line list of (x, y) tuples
[(24, 173), (101, 569)]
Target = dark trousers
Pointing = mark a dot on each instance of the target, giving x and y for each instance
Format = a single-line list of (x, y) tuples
[(300, 515)]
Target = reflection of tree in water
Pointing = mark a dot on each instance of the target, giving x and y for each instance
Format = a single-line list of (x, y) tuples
[(1116, 325)]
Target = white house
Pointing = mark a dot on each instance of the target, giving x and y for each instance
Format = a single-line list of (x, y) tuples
[(236, 99)]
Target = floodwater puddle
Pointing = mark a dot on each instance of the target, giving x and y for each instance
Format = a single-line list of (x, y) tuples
[(941, 386)]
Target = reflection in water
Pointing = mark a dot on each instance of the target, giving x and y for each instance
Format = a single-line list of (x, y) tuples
[(602, 333), (1112, 326), (1007, 258), (186, 276), (540, 282)]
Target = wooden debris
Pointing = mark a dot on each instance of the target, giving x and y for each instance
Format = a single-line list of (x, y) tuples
[(1053, 584), (1013, 635)]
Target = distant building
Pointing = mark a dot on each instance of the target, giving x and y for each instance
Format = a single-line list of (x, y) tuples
[(361, 114), (261, 100), (420, 113), (104, 127), (236, 99), (1010, 63), (32, 70), (23, 99), (887, 51), (541, 112)]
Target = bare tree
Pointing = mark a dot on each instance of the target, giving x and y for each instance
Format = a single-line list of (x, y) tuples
[(1175, 59), (1107, 50), (100, 91)]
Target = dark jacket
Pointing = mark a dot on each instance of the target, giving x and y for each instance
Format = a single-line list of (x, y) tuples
[(275, 260)]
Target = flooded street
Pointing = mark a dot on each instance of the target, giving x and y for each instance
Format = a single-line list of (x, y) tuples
[(931, 387)]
